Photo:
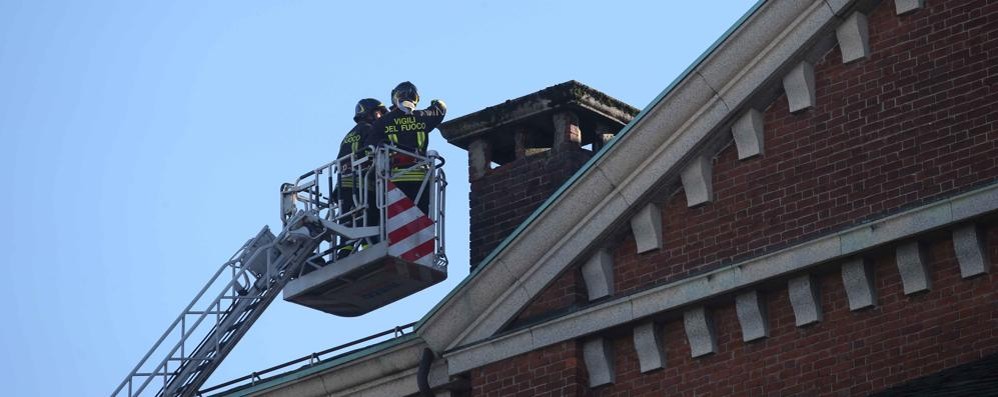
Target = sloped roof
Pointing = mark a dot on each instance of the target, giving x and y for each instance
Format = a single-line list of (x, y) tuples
[(741, 70)]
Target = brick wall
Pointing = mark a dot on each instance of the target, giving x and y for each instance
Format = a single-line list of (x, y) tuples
[(847, 353), (553, 371), (505, 196), (566, 292), (912, 123)]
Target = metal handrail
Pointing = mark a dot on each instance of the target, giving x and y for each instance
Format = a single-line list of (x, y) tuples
[(370, 171), (312, 359), (207, 329)]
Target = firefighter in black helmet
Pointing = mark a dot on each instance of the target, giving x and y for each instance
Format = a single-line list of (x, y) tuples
[(408, 128), (366, 112)]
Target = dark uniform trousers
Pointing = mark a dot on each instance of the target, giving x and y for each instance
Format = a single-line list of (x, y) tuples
[(348, 183)]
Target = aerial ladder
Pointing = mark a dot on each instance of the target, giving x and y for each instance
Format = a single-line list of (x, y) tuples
[(344, 262)]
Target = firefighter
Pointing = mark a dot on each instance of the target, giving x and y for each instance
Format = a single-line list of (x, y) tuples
[(367, 111), (408, 128)]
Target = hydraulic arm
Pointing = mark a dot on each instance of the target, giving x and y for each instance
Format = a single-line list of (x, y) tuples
[(389, 247), (209, 327)]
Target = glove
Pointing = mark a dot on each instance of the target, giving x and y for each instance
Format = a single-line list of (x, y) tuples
[(439, 104)]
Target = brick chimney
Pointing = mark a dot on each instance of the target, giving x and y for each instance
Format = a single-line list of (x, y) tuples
[(522, 150)]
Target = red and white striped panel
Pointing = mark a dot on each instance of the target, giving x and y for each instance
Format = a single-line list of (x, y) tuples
[(410, 231)]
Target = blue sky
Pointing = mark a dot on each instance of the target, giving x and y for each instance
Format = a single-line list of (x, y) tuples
[(142, 142)]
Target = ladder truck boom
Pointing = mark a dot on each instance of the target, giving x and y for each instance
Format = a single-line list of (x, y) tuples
[(305, 254), (209, 327)]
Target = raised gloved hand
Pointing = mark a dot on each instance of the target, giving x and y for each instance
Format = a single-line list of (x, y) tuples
[(437, 103)]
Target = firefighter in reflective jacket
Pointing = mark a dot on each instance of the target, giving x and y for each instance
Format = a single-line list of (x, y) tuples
[(408, 129), (366, 112)]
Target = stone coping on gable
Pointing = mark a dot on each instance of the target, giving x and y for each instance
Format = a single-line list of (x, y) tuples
[(961, 208)]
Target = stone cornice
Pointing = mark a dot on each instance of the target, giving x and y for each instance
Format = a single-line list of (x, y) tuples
[(699, 108), (729, 279)]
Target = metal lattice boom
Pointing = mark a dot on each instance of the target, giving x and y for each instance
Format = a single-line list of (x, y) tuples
[(208, 328), (316, 225)]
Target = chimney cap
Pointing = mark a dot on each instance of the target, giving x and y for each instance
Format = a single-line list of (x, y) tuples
[(532, 112)]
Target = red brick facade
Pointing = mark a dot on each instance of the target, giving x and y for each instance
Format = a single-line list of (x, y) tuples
[(912, 123), (878, 140), (505, 196), (554, 371), (847, 353)]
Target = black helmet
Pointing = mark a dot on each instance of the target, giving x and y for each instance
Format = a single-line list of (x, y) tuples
[(366, 107), (405, 92)]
